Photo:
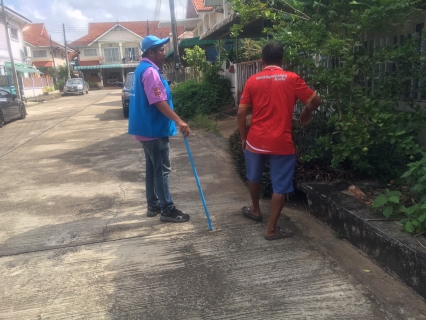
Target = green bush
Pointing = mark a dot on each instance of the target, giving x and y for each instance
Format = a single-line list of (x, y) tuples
[(410, 202), (60, 84), (209, 96), (49, 88), (364, 84), (207, 93)]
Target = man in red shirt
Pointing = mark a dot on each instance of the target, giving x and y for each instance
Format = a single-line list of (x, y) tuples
[(272, 95)]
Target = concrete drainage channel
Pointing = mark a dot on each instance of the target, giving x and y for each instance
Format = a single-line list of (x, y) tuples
[(397, 252)]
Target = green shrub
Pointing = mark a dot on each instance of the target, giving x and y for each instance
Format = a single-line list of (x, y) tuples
[(196, 59), (410, 202), (192, 98), (364, 84), (207, 93), (60, 85), (49, 88)]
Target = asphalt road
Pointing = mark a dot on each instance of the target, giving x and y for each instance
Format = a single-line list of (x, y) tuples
[(75, 241)]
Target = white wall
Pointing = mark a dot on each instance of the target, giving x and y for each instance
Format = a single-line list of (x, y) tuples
[(112, 39), (33, 92), (16, 46), (59, 54), (120, 36)]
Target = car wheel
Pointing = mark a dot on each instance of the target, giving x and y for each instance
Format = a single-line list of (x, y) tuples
[(23, 112), (1, 119), (126, 112)]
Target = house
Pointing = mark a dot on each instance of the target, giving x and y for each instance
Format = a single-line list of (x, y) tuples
[(216, 18), (112, 49), (196, 10), (40, 50), (25, 72), (201, 15), (15, 23)]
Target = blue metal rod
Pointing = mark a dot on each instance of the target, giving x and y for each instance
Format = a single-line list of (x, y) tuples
[(198, 183)]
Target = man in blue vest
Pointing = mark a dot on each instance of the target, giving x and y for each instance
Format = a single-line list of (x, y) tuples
[(152, 121)]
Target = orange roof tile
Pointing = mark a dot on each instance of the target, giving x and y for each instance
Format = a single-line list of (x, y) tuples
[(199, 5), (37, 35), (42, 63), (72, 55), (97, 29)]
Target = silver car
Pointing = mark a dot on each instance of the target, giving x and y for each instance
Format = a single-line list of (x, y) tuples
[(76, 86)]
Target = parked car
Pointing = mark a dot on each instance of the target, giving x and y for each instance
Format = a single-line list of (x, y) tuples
[(76, 86), (125, 94), (11, 107), (12, 90)]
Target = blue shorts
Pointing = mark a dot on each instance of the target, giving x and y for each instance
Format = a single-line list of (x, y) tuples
[(282, 170)]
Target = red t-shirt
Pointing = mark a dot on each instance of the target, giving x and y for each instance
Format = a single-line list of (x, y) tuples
[(273, 93)]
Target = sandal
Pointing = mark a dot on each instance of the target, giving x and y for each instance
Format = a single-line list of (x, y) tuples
[(282, 233), (247, 213)]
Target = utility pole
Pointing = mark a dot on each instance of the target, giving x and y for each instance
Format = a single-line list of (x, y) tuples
[(175, 44), (52, 52), (9, 48), (66, 52)]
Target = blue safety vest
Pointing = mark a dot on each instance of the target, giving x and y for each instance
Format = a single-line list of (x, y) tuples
[(145, 119)]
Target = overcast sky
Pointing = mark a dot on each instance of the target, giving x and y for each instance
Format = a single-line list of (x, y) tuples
[(76, 14)]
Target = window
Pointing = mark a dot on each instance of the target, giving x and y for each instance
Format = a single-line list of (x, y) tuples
[(111, 55), (14, 33), (40, 53), (90, 52), (74, 81), (131, 54), (4, 94)]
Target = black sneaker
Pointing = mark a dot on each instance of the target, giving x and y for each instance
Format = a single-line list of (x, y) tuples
[(174, 215), (153, 211)]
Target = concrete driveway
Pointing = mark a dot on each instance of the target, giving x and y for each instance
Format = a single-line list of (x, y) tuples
[(75, 241)]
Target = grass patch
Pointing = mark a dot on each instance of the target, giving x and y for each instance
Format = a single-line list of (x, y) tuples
[(206, 122)]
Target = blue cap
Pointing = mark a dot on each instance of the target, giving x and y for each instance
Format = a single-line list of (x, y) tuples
[(150, 41)]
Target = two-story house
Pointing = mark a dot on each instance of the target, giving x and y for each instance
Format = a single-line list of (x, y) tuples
[(40, 50), (15, 23), (25, 72), (112, 49)]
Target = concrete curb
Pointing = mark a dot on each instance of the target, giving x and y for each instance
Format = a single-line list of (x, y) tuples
[(39, 99), (398, 252)]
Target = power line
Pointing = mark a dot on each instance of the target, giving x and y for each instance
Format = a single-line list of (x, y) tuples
[(15, 6)]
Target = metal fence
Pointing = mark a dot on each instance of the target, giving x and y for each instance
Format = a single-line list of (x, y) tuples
[(29, 83), (415, 89), (243, 71), (182, 76)]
